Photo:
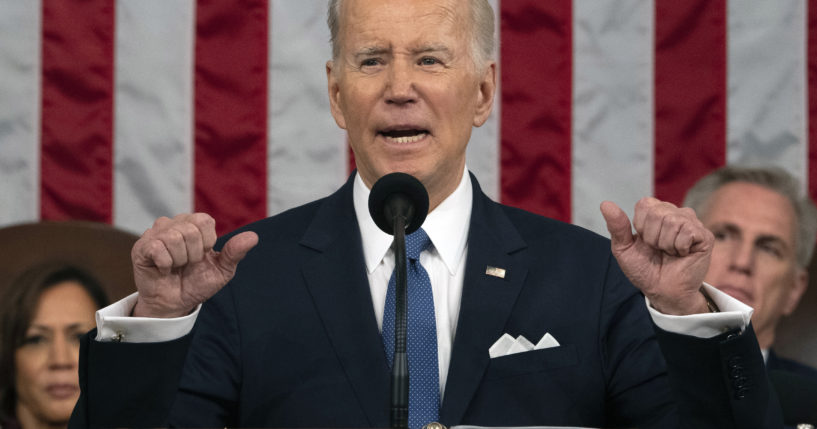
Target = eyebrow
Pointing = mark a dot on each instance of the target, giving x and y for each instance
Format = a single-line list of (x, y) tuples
[(763, 238), (371, 50), (432, 48), (379, 50), (72, 326), (773, 239)]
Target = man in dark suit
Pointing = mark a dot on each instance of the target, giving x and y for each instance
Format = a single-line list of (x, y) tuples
[(294, 338), (764, 231)]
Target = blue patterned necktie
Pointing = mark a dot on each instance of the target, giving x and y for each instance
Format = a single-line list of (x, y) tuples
[(421, 346)]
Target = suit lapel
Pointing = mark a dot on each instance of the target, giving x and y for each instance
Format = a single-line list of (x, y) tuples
[(336, 279), (487, 301)]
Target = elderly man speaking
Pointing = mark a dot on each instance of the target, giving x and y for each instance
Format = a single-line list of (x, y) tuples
[(513, 320)]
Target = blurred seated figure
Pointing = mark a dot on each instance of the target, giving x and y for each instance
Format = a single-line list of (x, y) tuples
[(764, 231), (43, 312), (764, 228)]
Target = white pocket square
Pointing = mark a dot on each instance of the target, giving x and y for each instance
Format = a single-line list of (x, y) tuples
[(508, 345)]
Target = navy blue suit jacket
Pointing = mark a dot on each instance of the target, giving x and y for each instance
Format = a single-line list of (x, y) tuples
[(795, 384), (777, 363), (292, 341)]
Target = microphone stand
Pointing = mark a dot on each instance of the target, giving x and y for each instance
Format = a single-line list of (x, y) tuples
[(400, 373), (398, 203)]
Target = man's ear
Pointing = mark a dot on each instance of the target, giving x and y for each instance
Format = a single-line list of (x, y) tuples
[(797, 291), (485, 96), (334, 94)]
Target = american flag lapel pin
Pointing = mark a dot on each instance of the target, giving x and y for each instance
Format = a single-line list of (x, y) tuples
[(495, 271)]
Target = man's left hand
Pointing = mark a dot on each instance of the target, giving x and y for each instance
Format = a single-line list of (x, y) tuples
[(667, 257)]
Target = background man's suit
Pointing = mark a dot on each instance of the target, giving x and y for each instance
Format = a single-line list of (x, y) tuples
[(775, 362), (796, 386), (292, 341)]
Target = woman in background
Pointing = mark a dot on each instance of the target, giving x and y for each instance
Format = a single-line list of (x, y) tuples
[(42, 315)]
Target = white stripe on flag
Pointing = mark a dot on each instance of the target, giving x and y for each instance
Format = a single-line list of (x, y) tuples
[(307, 151), (154, 112), (20, 24), (612, 107), (612, 101), (768, 120), (483, 149)]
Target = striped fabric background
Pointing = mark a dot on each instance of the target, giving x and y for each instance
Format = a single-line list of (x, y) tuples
[(124, 110)]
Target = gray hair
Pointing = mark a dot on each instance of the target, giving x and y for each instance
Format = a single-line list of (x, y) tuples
[(772, 178), (482, 18)]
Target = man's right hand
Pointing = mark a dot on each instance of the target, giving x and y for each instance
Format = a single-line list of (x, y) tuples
[(176, 268)]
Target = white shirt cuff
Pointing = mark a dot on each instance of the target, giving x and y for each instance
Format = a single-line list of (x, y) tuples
[(734, 314), (114, 323)]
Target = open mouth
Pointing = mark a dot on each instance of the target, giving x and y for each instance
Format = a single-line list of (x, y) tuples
[(404, 136)]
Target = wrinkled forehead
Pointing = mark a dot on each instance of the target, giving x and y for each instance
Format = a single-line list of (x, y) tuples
[(741, 202), (453, 10), (373, 19)]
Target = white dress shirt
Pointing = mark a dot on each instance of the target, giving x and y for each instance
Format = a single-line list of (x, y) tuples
[(447, 227)]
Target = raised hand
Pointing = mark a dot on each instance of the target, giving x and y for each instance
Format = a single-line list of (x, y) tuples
[(667, 257), (176, 268)]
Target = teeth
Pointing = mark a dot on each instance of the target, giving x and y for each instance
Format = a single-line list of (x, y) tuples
[(406, 139)]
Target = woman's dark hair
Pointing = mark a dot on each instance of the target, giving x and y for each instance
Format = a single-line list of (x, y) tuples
[(18, 304)]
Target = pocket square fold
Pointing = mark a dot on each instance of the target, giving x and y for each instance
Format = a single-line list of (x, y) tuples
[(508, 345), (546, 342)]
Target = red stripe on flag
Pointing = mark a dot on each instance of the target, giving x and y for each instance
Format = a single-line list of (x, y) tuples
[(690, 93), (76, 162), (231, 111), (812, 97), (537, 59)]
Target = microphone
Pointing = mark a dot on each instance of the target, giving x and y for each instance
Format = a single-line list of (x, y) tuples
[(398, 194), (398, 204)]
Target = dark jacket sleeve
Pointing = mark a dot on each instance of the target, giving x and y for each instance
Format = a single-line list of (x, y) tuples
[(720, 382), (127, 384)]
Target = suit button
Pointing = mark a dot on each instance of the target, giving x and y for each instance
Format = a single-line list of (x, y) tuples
[(736, 372)]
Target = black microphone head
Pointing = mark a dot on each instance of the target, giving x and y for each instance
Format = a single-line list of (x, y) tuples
[(395, 193)]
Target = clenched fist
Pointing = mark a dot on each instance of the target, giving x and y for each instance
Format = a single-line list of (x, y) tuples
[(667, 257), (176, 268)]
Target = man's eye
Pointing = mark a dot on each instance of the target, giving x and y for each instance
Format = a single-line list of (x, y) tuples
[(428, 61), (719, 235), (771, 249), (369, 62)]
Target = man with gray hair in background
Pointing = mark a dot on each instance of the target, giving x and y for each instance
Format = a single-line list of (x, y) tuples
[(764, 231), (764, 228)]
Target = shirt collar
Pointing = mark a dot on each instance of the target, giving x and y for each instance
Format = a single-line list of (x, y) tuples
[(446, 226)]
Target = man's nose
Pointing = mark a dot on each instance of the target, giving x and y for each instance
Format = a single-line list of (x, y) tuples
[(401, 84), (742, 258)]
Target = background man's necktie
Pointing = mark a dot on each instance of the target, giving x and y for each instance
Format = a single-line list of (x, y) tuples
[(421, 346)]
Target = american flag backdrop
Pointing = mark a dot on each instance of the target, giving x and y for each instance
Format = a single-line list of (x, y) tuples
[(121, 111)]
